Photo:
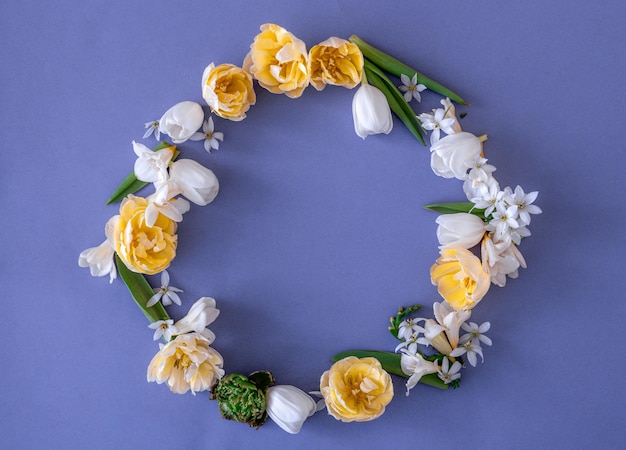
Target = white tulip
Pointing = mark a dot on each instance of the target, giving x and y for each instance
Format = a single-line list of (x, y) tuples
[(181, 121), (289, 407), (371, 112), (194, 181), (454, 154), (459, 230)]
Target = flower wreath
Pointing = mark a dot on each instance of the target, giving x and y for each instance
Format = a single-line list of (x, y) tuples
[(142, 238)]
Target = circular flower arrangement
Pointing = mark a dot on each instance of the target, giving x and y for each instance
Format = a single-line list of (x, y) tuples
[(141, 239)]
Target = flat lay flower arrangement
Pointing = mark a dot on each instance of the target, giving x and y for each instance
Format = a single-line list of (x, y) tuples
[(478, 238)]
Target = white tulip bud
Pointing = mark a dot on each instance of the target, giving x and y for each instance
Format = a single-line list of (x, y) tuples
[(289, 407), (453, 155), (194, 181), (181, 121), (371, 112), (463, 230)]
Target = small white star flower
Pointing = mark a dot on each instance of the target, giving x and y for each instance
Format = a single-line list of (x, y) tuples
[(471, 349), (163, 328), (524, 203), (152, 127), (410, 88), (504, 218), (448, 374), (210, 136), (166, 294), (437, 122), (476, 333)]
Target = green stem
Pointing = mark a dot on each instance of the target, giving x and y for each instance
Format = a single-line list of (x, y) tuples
[(391, 363), (141, 292), (397, 68)]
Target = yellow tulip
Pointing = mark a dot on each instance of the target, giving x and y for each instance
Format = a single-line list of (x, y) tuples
[(356, 389), (335, 61), (228, 90), (142, 248), (278, 61)]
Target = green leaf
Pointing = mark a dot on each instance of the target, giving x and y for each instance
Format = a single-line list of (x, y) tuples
[(396, 102), (390, 64), (141, 291), (391, 363), (131, 184), (459, 207)]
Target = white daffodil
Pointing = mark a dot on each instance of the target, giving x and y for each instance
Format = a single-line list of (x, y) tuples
[(201, 314), (489, 195), (450, 113), (152, 127), (211, 137), (194, 181), (448, 374), (151, 166), (459, 230), (410, 88), (289, 407), (163, 328), (479, 177), (471, 349), (524, 203), (166, 293), (371, 112), (415, 366), (476, 332), (437, 122), (181, 121), (100, 259), (451, 156)]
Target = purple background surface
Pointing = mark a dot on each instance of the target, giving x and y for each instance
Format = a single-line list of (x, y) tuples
[(316, 236)]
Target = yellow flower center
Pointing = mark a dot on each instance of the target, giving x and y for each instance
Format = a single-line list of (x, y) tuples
[(182, 360)]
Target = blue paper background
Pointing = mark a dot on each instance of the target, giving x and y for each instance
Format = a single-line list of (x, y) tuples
[(316, 236)]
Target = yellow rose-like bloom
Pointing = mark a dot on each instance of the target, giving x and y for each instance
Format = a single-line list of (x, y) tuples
[(356, 389), (186, 363), (335, 61), (144, 249), (460, 278), (228, 90), (278, 61)]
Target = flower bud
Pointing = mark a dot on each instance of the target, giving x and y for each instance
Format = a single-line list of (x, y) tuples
[(201, 314), (459, 230), (289, 407), (194, 181), (371, 112), (452, 156), (181, 121)]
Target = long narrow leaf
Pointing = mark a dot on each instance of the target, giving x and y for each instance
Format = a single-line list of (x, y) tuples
[(140, 291), (395, 67), (391, 363), (394, 104), (459, 207)]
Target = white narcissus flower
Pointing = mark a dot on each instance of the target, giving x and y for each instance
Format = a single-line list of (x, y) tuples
[(451, 156), (209, 135), (201, 314), (500, 259), (416, 367), (450, 113), (194, 181), (371, 112), (459, 230), (437, 122), (524, 203), (100, 259), (181, 121), (448, 374), (166, 293), (163, 328), (151, 166), (410, 88), (289, 407)]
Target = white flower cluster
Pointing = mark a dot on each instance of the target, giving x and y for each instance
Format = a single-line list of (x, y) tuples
[(507, 211), (443, 334)]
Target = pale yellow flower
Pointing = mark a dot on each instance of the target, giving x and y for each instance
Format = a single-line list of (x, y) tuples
[(460, 278), (144, 249), (356, 389), (228, 91), (186, 363), (335, 61), (278, 61)]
